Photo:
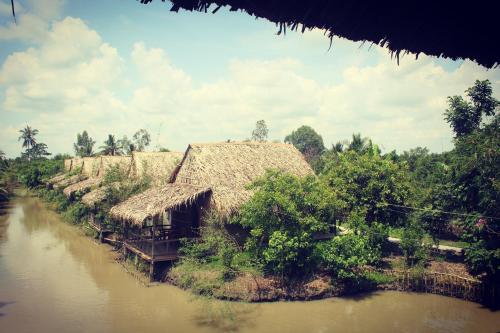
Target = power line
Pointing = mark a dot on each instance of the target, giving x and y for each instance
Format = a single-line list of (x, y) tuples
[(441, 211)]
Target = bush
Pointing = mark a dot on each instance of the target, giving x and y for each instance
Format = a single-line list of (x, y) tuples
[(282, 217), (414, 251), (76, 213), (342, 256)]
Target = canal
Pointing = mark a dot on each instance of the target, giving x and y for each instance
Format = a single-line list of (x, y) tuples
[(55, 279)]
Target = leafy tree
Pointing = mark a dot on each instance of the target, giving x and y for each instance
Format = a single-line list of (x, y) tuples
[(411, 243), (464, 116), (126, 145), (111, 146), (307, 141), (142, 139), (28, 138), (84, 145), (39, 150), (369, 182), (260, 132), (282, 217), (359, 144), (164, 150)]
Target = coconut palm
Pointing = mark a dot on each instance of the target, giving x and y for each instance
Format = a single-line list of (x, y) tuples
[(111, 146), (28, 138)]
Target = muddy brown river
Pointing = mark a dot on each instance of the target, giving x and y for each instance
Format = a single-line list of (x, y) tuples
[(55, 279)]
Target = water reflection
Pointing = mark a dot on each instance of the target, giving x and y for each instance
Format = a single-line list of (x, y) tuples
[(52, 278)]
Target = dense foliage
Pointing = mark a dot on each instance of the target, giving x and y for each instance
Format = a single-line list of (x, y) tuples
[(283, 216), (370, 182), (308, 142)]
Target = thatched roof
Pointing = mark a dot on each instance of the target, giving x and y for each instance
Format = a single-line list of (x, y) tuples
[(82, 186), (91, 166), (154, 202), (57, 178), (98, 195), (227, 168), (110, 161), (156, 165), (69, 181), (67, 164), (438, 28), (76, 162)]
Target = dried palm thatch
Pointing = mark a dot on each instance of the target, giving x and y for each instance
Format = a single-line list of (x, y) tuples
[(57, 178), (97, 195), (82, 186), (69, 181), (228, 167), (107, 162), (155, 201), (67, 164), (76, 162), (437, 28), (91, 165), (158, 166)]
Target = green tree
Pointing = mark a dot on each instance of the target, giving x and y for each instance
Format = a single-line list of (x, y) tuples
[(282, 217), (371, 183), (465, 116), (307, 141), (126, 145), (111, 146), (28, 139), (260, 132), (142, 139), (84, 145), (39, 150), (359, 144)]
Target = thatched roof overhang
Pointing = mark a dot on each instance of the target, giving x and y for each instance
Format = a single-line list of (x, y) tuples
[(82, 186), (154, 202), (57, 178), (67, 164), (91, 166), (158, 166), (76, 162), (69, 181), (107, 162), (438, 28)]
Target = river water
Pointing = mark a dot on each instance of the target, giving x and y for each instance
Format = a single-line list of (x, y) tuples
[(54, 279)]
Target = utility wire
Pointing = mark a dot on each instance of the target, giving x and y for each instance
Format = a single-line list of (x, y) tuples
[(441, 211)]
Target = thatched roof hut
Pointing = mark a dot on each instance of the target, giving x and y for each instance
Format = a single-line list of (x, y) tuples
[(69, 181), (156, 201), (97, 195), (76, 162), (222, 170), (82, 186), (158, 166), (436, 28), (227, 168), (91, 166), (107, 162), (67, 164)]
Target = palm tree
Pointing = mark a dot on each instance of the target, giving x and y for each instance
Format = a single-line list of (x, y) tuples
[(358, 144), (28, 137), (111, 146)]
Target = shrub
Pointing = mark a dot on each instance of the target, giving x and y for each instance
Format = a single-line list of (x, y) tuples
[(282, 217), (342, 256), (412, 243)]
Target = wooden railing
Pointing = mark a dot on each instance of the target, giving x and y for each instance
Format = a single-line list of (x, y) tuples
[(159, 241), (437, 283)]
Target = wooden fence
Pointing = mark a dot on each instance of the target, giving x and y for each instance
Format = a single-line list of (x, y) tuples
[(439, 283)]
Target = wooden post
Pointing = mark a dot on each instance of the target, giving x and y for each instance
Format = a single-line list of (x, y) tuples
[(152, 265), (125, 236)]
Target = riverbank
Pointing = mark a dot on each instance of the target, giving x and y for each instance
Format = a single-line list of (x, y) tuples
[(250, 287), (211, 281)]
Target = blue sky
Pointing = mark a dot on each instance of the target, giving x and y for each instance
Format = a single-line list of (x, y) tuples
[(118, 66)]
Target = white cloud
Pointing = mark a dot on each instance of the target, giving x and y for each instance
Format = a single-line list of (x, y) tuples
[(72, 80)]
